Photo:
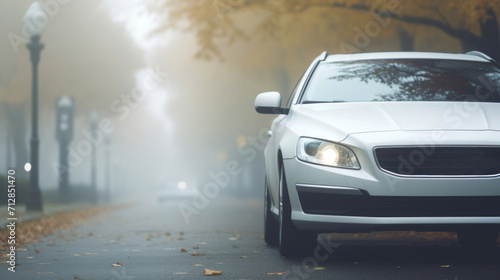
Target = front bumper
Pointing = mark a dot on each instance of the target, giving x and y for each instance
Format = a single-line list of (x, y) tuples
[(343, 200)]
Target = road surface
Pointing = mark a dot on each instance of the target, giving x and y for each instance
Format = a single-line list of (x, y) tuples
[(151, 240)]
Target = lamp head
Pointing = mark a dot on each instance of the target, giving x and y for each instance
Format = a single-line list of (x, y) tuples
[(65, 101), (35, 19)]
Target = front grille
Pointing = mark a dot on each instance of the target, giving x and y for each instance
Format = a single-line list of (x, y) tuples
[(385, 206), (439, 161)]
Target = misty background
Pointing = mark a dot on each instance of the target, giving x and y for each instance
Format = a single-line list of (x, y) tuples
[(177, 79)]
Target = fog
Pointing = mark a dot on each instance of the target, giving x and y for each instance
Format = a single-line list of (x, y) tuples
[(170, 115)]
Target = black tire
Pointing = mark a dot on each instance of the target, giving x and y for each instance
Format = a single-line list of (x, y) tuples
[(292, 242), (478, 239), (271, 226)]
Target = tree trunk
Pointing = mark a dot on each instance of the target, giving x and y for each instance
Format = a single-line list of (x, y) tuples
[(17, 131), (468, 46), (406, 41), (283, 78), (489, 42)]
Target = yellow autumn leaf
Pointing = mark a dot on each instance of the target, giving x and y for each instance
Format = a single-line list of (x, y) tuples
[(209, 272)]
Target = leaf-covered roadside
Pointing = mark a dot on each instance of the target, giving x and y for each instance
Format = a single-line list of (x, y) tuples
[(31, 231)]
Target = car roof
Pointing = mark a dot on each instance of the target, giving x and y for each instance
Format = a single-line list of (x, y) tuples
[(403, 55)]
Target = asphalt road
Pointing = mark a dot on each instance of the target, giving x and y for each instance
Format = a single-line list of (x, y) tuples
[(149, 240)]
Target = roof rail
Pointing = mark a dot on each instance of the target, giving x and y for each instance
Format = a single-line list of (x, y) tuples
[(482, 55), (323, 55)]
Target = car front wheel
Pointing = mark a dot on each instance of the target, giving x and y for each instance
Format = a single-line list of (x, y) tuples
[(271, 227), (292, 242)]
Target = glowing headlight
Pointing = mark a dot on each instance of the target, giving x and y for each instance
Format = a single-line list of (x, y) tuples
[(326, 153)]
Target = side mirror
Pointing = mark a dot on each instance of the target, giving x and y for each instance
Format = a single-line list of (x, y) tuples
[(269, 103)]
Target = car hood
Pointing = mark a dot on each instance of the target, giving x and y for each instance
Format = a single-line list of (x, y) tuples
[(343, 119)]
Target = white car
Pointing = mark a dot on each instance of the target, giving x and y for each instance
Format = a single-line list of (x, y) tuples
[(385, 141), (177, 191)]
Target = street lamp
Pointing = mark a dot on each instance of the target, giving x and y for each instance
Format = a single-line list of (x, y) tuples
[(94, 117), (64, 134), (107, 192), (35, 20)]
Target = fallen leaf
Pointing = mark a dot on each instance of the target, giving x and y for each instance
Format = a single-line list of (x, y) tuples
[(319, 268), (180, 273), (181, 233), (90, 234), (208, 272), (198, 265), (445, 265), (167, 233), (183, 250), (197, 254), (117, 264), (196, 247), (276, 273), (76, 277), (243, 257), (37, 251)]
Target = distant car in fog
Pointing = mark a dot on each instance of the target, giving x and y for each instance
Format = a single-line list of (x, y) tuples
[(177, 191), (385, 141)]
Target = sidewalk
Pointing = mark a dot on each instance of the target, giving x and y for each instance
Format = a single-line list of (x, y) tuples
[(48, 209)]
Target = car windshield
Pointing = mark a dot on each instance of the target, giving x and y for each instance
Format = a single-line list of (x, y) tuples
[(404, 80)]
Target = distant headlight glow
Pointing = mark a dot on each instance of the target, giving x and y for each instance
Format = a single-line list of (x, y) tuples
[(181, 185), (326, 153)]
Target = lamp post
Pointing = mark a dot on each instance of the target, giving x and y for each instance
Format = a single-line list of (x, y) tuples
[(107, 191), (64, 134), (94, 117), (35, 20)]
